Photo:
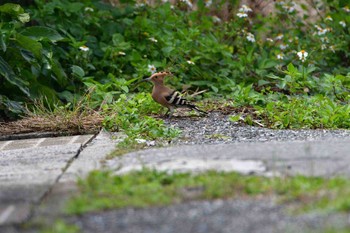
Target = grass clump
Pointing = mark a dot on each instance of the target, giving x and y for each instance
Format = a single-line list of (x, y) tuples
[(60, 227), (132, 115), (316, 112), (72, 118), (102, 190)]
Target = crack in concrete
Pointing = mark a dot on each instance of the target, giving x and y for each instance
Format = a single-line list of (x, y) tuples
[(69, 163)]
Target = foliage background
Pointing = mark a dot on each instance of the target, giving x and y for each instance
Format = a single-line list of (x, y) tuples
[(62, 49)]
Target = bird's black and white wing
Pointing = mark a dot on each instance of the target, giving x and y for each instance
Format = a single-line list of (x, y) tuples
[(175, 99)]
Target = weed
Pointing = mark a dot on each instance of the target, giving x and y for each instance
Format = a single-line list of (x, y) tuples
[(103, 190), (311, 112), (60, 227), (72, 118)]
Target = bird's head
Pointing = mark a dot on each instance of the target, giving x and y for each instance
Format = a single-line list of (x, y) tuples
[(157, 78)]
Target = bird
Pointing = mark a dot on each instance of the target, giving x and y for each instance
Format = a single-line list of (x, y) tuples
[(167, 97)]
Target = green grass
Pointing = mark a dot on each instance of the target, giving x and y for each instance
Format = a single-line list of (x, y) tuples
[(103, 190), (317, 112), (60, 226)]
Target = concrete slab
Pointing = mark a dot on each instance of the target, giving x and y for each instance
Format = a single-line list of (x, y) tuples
[(197, 165), (14, 213), (90, 158), (43, 142), (314, 158), (28, 170)]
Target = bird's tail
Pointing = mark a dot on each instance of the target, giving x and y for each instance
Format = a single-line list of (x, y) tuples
[(198, 110)]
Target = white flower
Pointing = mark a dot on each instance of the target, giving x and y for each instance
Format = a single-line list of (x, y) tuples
[(280, 56), (188, 3), (242, 15), (89, 9), (190, 62), (148, 143), (332, 48), (121, 53), (328, 18), (279, 36), (152, 69), (245, 9), (321, 31), (289, 7), (269, 40), (153, 39), (216, 19), (139, 5), (242, 12), (151, 143), (84, 48), (283, 46), (139, 140), (250, 37), (302, 54), (324, 39), (318, 27), (342, 23), (323, 47), (346, 9), (208, 3)]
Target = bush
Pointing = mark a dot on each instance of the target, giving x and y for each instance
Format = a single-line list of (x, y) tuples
[(28, 68), (77, 46)]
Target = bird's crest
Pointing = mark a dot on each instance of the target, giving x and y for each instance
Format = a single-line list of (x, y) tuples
[(162, 73)]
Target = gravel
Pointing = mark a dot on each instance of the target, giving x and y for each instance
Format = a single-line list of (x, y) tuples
[(216, 128), (240, 216)]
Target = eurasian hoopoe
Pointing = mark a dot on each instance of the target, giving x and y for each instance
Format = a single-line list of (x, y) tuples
[(167, 97)]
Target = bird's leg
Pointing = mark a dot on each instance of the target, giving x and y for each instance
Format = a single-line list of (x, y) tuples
[(167, 113), (170, 112)]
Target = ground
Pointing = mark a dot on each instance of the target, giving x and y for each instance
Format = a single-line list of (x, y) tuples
[(206, 143)]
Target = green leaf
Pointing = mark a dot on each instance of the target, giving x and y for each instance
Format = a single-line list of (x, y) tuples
[(125, 89), (262, 82), (39, 33), (30, 44), (215, 89), (12, 9), (10, 105), (267, 64), (2, 42), (24, 18), (59, 72), (117, 39), (75, 7), (235, 118), (78, 71), (291, 68), (7, 72), (167, 50)]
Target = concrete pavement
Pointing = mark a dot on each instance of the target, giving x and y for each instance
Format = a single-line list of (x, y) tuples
[(38, 175), (325, 158), (29, 169)]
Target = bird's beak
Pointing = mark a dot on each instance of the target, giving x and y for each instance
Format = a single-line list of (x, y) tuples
[(143, 80)]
